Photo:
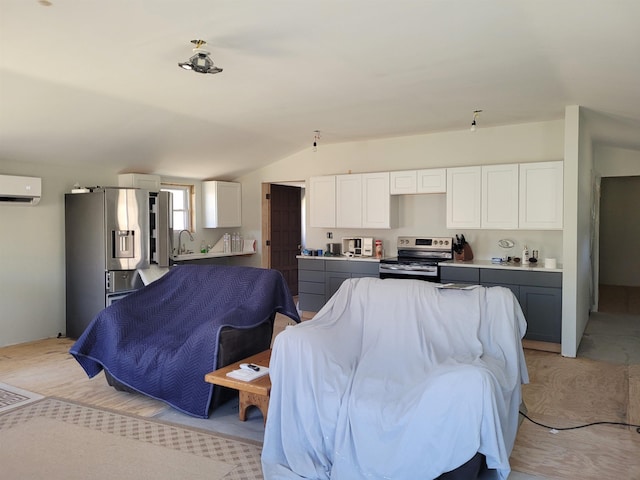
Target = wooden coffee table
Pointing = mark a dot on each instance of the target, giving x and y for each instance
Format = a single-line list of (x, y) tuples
[(254, 393)]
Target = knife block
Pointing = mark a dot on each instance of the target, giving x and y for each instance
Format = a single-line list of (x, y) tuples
[(465, 255)]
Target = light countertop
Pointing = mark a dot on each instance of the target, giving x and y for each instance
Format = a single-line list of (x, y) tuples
[(532, 267), (198, 256), (340, 258)]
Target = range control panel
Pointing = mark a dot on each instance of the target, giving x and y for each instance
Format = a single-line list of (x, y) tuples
[(425, 243)]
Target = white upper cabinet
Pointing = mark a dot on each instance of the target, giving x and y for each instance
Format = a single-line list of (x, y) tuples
[(541, 195), (403, 182), (376, 200), (431, 180), (500, 197), (222, 204), (493, 197), (349, 201), (463, 197), (322, 201), (363, 201)]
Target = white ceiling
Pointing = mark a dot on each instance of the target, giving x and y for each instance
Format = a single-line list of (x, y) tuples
[(93, 82)]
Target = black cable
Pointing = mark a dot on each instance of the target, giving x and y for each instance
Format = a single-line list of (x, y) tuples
[(637, 427)]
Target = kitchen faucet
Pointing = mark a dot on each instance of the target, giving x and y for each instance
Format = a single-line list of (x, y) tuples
[(180, 246)]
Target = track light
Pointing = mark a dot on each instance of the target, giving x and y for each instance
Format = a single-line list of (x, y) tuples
[(476, 113), (316, 137), (200, 62)]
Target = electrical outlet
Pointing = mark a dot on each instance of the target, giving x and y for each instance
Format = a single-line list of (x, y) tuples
[(329, 234)]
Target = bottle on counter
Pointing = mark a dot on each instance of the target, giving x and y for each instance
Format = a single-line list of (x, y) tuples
[(203, 247), (378, 248), (235, 242), (226, 242), (525, 255)]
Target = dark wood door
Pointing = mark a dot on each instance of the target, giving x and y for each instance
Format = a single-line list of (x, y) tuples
[(286, 228)]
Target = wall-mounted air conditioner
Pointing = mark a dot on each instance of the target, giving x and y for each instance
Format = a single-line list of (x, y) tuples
[(20, 190)]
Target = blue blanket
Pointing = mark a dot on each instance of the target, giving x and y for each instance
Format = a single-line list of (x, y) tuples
[(162, 339)]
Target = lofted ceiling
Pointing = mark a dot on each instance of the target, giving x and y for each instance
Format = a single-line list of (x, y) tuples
[(97, 82)]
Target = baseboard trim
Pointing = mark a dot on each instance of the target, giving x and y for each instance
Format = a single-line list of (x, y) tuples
[(543, 346)]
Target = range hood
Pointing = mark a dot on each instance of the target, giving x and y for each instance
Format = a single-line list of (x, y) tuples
[(20, 190)]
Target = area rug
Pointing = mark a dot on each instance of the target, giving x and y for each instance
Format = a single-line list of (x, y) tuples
[(57, 439), (12, 397)]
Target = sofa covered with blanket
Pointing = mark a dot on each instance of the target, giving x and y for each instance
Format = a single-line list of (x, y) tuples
[(164, 338), (397, 379)]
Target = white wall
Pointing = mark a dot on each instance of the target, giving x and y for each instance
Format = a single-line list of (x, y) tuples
[(32, 297), (579, 207), (616, 162), (418, 214)]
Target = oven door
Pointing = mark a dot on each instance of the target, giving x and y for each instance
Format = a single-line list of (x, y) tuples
[(429, 273)]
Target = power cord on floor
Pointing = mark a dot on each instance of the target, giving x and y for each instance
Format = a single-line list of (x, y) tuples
[(558, 429)]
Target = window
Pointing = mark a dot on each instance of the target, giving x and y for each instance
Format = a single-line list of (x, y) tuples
[(182, 205)]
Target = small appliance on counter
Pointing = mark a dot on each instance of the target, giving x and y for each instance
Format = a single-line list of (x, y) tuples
[(333, 250), (358, 246)]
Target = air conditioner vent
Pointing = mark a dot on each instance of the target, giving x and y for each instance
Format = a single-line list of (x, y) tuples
[(20, 190)]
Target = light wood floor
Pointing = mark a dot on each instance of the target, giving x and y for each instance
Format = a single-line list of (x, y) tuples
[(47, 368), (565, 392), (562, 392)]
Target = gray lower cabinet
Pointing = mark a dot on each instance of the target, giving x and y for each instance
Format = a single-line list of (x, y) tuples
[(333, 280), (460, 275), (539, 294), (319, 279), (337, 271), (542, 307), (311, 282)]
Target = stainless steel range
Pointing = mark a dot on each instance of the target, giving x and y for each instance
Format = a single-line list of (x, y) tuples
[(418, 258)]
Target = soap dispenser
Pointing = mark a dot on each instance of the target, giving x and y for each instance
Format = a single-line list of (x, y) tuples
[(525, 255)]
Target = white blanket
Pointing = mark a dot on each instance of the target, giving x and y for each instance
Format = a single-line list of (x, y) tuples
[(396, 379)]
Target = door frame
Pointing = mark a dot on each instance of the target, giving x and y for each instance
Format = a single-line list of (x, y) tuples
[(266, 225)]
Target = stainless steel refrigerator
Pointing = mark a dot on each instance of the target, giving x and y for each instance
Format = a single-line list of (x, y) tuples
[(110, 234)]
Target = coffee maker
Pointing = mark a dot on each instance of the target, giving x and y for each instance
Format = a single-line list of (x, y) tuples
[(358, 246)]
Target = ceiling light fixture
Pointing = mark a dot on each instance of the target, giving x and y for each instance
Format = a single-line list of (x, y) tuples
[(200, 62), (316, 137), (476, 113)]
